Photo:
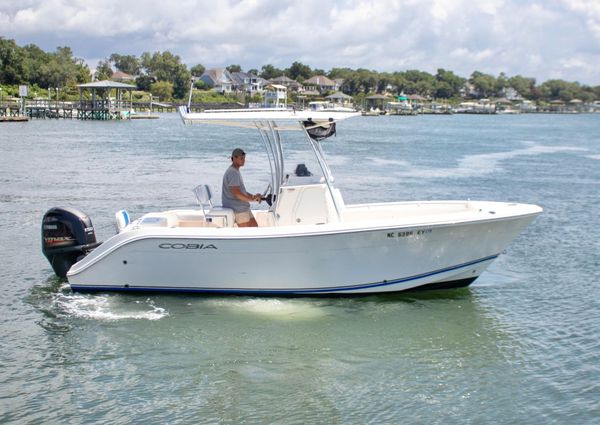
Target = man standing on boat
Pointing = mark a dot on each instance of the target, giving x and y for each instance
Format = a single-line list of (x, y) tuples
[(234, 193)]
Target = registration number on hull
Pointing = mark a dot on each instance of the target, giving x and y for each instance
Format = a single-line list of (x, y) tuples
[(409, 233)]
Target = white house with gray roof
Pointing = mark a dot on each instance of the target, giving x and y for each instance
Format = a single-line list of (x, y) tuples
[(321, 83), (218, 79), (247, 82), (292, 85)]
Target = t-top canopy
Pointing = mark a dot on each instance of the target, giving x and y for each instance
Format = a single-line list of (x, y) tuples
[(249, 117)]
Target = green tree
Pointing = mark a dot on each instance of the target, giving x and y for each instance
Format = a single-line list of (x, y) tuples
[(200, 85), (524, 86), (385, 80), (12, 62), (587, 94), (400, 82), (501, 84), (129, 64), (197, 70), (162, 90), (448, 84), (443, 90), (58, 69), (234, 68), (563, 90), (269, 71), (351, 84), (165, 66), (143, 82), (418, 82), (103, 70), (345, 73), (35, 59), (366, 80), (485, 84), (298, 69)]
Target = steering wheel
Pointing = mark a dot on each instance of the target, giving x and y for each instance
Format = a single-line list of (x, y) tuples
[(270, 197)]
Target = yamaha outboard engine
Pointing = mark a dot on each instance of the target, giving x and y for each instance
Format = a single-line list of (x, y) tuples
[(67, 236)]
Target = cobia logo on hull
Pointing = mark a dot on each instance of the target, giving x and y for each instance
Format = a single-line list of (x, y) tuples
[(186, 246)]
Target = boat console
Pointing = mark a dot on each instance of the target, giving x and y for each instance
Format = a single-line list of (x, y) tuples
[(306, 204)]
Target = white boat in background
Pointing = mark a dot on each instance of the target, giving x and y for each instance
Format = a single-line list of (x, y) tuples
[(508, 111), (324, 106), (309, 241)]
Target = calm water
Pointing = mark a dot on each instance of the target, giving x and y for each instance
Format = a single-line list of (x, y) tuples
[(520, 346)]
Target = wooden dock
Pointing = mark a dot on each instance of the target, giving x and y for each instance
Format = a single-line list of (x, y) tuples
[(95, 110), (143, 117)]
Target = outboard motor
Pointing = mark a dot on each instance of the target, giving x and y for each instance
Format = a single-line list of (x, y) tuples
[(302, 171), (67, 236)]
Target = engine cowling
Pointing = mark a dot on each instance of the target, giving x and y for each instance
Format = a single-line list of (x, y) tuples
[(67, 236)]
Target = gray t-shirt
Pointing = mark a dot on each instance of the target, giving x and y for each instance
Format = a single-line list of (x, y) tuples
[(233, 177)]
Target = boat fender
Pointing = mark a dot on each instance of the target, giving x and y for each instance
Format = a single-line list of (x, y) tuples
[(121, 220)]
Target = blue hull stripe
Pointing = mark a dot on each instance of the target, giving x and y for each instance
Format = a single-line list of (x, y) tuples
[(338, 289)]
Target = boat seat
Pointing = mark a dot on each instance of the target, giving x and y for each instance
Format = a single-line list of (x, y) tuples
[(191, 218), (166, 219), (219, 216), (204, 197)]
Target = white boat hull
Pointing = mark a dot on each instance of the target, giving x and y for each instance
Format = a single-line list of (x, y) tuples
[(308, 242), (330, 259)]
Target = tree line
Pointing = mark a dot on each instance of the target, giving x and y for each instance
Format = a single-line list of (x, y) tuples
[(164, 74)]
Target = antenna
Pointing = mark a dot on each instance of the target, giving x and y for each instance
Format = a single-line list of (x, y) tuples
[(190, 98)]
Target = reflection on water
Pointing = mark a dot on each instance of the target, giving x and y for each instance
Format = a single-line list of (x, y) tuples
[(340, 354)]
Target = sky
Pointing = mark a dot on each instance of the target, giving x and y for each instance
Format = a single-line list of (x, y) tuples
[(542, 39)]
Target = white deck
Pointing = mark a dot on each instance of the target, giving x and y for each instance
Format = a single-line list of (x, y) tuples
[(354, 218)]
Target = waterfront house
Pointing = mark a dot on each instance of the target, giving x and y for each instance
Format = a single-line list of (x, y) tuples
[(292, 85), (122, 77), (218, 79), (511, 94), (469, 91), (247, 83), (339, 83), (527, 106), (275, 96), (321, 83)]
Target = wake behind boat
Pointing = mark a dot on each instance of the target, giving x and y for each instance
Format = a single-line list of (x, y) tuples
[(308, 242)]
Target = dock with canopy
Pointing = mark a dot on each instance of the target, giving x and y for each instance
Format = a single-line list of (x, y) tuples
[(105, 100)]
